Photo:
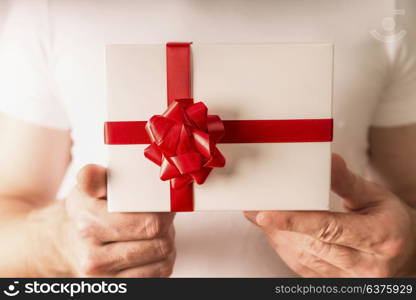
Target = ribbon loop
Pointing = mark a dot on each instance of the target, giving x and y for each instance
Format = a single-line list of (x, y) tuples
[(183, 142)]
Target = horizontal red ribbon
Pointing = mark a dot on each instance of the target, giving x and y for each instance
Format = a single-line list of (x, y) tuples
[(236, 131)]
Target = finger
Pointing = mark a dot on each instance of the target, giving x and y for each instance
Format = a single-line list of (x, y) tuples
[(282, 247), (289, 246), (92, 180), (107, 227), (158, 269), (357, 192), (320, 266), (349, 230), (251, 216), (125, 255), (344, 258)]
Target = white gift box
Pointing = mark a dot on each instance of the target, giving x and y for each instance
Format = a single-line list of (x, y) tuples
[(237, 82)]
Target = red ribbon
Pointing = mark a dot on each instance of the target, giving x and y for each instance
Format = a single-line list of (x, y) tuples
[(183, 140), (183, 143)]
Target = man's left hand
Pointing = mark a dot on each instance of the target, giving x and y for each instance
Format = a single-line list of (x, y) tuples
[(375, 237)]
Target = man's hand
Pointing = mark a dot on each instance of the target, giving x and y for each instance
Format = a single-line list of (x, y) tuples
[(95, 242), (376, 237)]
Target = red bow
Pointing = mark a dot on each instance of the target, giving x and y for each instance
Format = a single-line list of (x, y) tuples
[(183, 142)]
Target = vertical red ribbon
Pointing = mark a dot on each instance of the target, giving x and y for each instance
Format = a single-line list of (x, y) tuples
[(178, 71)]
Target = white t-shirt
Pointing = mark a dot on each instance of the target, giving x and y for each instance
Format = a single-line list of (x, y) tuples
[(52, 73)]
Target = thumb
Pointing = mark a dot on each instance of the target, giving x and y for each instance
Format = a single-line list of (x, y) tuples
[(357, 192), (92, 180)]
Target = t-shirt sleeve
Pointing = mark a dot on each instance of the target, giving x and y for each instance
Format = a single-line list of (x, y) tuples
[(27, 86), (397, 105)]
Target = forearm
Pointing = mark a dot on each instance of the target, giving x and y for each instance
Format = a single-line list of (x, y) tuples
[(408, 195), (30, 239), (392, 153), (400, 183)]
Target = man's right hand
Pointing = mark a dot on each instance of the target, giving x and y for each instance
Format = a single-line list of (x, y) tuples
[(95, 242)]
